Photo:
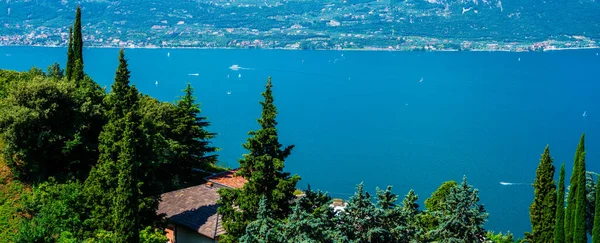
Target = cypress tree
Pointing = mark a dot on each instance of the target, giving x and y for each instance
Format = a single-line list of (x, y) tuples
[(559, 230), (125, 205), (70, 56), (596, 229), (101, 184), (579, 230), (542, 211), (77, 37), (263, 168), (571, 200), (192, 146)]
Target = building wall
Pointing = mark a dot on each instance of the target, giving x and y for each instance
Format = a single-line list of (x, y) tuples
[(186, 235)]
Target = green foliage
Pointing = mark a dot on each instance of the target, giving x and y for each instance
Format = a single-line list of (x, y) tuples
[(10, 219), (52, 209), (152, 235), (70, 56), (500, 238), (126, 205), (361, 220), (596, 229), (434, 203), (263, 168), (77, 58), (571, 199), (579, 227), (263, 228), (55, 72), (542, 212), (559, 230), (103, 191), (409, 229), (315, 203), (190, 140), (437, 198), (461, 217), (38, 138)]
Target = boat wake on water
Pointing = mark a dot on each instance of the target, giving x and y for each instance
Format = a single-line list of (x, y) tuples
[(514, 184), (236, 67)]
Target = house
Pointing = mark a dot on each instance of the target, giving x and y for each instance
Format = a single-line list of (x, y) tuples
[(192, 212)]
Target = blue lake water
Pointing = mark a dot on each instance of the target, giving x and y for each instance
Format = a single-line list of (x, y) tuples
[(407, 119)]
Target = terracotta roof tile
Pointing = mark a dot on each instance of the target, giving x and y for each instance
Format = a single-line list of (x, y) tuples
[(194, 207), (228, 179)]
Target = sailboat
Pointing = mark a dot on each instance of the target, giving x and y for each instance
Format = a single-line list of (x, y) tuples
[(584, 114)]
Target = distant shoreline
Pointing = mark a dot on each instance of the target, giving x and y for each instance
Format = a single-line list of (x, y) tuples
[(295, 49)]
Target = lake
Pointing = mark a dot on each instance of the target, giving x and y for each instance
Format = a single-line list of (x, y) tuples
[(408, 119)]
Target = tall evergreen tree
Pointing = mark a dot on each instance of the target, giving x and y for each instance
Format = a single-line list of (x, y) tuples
[(77, 37), (191, 140), (101, 184), (125, 205), (571, 198), (408, 229), (70, 56), (461, 216), (542, 211), (579, 229), (596, 229), (263, 168), (559, 230)]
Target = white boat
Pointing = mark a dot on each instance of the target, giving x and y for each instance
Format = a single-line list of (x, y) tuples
[(228, 92), (235, 67), (194, 74), (584, 113), (156, 83), (239, 75)]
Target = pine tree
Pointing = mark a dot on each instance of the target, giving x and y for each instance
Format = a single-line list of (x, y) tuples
[(301, 226), (579, 229), (408, 229), (542, 211), (263, 228), (559, 230), (126, 205), (361, 220), (263, 168), (461, 216), (191, 140), (70, 56), (596, 229), (389, 213), (571, 198)]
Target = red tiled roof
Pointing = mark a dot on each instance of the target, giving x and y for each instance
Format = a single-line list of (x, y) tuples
[(228, 179), (194, 207)]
